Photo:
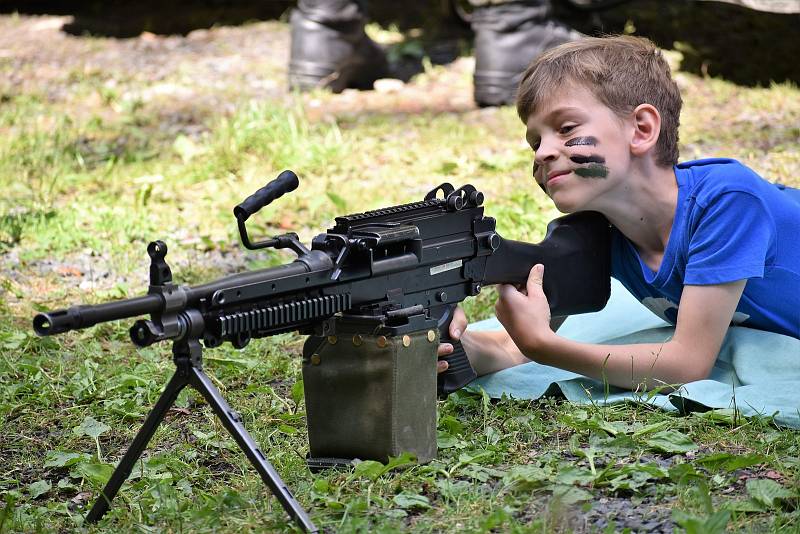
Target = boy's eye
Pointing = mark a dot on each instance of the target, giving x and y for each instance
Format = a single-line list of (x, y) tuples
[(567, 128)]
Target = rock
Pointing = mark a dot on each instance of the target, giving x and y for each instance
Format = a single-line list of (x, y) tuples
[(388, 85)]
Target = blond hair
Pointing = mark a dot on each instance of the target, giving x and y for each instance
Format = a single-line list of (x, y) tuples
[(621, 71)]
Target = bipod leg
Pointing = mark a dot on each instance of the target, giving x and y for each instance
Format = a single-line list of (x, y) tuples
[(178, 381), (232, 422)]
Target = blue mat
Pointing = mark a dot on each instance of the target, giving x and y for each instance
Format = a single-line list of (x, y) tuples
[(756, 372)]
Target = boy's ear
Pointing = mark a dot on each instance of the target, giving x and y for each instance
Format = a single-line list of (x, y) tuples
[(646, 129)]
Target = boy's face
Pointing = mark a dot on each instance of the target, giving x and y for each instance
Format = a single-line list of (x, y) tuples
[(581, 149)]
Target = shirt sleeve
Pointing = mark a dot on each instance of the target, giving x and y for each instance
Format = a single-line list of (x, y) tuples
[(732, 239)]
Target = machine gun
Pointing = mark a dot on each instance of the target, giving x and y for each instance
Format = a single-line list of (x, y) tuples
[(406, 266)]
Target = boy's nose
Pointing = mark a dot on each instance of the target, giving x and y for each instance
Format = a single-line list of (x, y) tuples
[(546, 152)]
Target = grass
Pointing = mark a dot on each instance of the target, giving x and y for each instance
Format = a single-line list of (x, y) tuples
[(90, 179)]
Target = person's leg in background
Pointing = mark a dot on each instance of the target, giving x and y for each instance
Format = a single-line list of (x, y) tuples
[(330, 49), (508, 36)]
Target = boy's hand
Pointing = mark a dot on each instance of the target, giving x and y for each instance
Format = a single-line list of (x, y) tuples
[(525, 313), (457, 327)]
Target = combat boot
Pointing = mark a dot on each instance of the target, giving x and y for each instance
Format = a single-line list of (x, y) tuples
[(508, 36), (330, 48)]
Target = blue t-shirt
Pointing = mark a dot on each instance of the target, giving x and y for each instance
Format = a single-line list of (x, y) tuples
[(730, 224)]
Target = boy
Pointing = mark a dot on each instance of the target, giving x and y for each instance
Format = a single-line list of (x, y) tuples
[(703, 244)]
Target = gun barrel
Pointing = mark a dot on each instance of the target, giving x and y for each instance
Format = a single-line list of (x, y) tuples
[(84, 316)]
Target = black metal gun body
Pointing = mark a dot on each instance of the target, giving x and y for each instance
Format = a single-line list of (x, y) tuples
[(407, 265), (417, 259)]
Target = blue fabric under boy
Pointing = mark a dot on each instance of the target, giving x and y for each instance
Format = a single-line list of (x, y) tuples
[(730, 224), (756, 372)]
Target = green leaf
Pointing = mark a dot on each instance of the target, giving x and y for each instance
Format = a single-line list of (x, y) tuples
[(210, 439), (65, 484), (446, 441), (333, 504), (14, 340), (682, 473), (495, 520), (717, 521), (570, 494), (745, 506), (480, 473), (649, 429), (492, 435), (611, 427), (671, 441), (714, 523), (475, 456), (129, 381), (369, 469), (620, 445), (729, 462), (321, 485), (408, 501), (724, 415), (571, 474), (448, 167), (525, 477), (298, 392), (767, 491), (631, 477), (451, 425), (404, 459), (38, 488), (246, 363), (91, 427), (286, 429), (372, 469), (357, 506), (451, 490), (96, 473), (339, 202), (395, 513), (64, 458)]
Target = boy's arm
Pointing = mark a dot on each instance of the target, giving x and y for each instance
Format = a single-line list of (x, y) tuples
[(704, 315), (488, 351)]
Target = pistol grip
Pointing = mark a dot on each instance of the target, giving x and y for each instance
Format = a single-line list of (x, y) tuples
[(459, 373)]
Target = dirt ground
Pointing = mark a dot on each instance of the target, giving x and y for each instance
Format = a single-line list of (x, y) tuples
[(208, 68)]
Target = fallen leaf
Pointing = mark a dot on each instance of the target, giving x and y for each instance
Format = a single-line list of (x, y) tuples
[(81, 497), (68, 270)]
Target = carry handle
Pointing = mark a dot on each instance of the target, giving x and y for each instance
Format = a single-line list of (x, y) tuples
[(285, 182)]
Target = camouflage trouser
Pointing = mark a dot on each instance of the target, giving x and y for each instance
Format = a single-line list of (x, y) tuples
[(479, 3), (773, 6), (345, 5)]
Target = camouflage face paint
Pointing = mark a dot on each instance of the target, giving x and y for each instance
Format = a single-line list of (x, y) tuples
[(594, 158), (592, 170), (594, 164), (586, 141)]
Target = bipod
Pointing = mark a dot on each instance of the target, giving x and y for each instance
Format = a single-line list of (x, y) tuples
[(187, 355)]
